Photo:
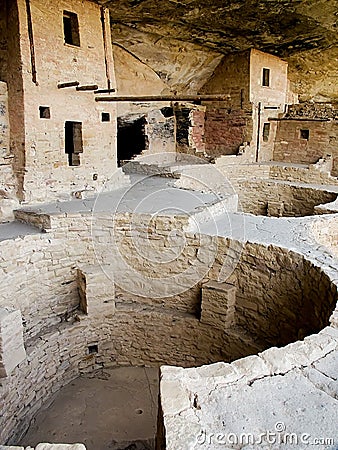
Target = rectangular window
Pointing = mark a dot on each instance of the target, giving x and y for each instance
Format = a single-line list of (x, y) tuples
[(266, 77), (44, 112), (266, 132), (71, 28), (73, 142), (305, 134)]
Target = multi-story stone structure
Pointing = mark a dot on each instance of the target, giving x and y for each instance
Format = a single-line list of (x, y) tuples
[(256, 84), (61, 141)]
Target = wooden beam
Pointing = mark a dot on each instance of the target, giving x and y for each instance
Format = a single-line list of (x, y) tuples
[(163, 98), (69, 84), (104, 91), (89, 87), (31, 41)]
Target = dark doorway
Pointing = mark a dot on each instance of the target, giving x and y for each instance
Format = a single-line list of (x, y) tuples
[(73, 142), (131, 138)]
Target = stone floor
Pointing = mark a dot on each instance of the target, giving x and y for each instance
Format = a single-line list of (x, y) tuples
[(111, 410)]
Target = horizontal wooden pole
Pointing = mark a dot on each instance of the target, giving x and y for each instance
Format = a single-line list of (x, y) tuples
[(89, 87), (69, 84), (104, 91), (163, 98)]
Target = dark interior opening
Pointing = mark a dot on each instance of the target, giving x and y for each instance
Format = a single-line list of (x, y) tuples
[(44, 112), (93, 349), (305, 134), (105, 117), (73, 142), (266, 77), (266, 132), (131, 138), (71, 28)]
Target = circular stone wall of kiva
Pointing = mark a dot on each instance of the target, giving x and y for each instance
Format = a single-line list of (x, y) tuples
[(269, 296), (279, 199)]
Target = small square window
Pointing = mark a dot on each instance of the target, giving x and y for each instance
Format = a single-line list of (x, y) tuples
[(305, 134), (44, 112), (266, 77), (105, 117), (266, 132), (71, 28), (93, 349)]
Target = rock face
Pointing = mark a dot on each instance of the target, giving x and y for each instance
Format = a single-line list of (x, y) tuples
[(178, 39)]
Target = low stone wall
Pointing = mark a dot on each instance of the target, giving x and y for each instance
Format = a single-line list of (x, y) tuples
[(278, 298), (325, 232), (294, 173), (257, 192), (262, 401), (280, 199)]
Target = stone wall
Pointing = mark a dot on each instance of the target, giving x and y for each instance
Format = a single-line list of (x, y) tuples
[(240, 120), (264, 189), (160, 131), (137, 329), (228, 124), (8, 199), (190, 129), (226, 130), (276, 93), (312, 110), (291, 147), (280, 199), (293, 173), (3, 42), (47, 172), (252, 401), (325, 232)]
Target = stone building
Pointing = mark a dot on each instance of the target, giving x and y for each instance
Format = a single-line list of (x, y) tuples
[(61, 142), (307, 133), (192, 304)]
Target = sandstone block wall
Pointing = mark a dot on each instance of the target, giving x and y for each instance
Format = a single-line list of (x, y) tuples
[(291, 147), (249, 106), (95, 290), (12, 351), (190, 129), (311, 110), (220, 405), (160, 131), (218, 304), (226, 130), (7, 183), (61, 342), (258, 197), (47, 173)]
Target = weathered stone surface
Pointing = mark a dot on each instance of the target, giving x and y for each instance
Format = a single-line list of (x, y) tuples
[(12, 351), (305, 34), (60, 447), (257, 409)]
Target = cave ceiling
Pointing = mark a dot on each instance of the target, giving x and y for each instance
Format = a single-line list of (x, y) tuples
[(300, 31)]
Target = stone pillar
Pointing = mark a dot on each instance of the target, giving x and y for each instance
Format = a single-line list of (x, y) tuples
[(12, 350), (275, 209), (218, 304), (96, 290)]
